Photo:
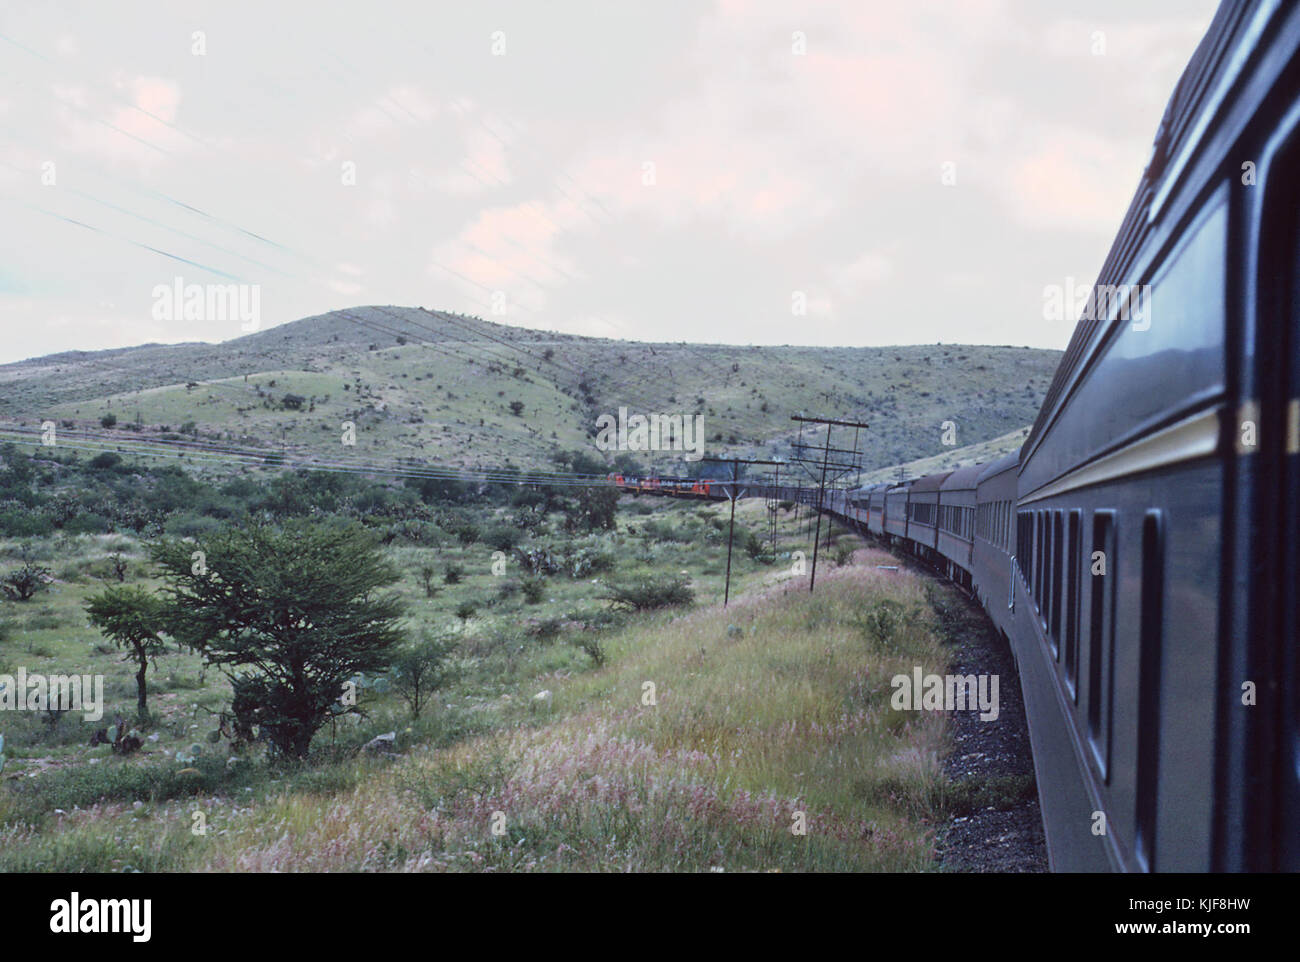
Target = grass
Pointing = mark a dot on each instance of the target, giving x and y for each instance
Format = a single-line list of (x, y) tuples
[(695, 741)]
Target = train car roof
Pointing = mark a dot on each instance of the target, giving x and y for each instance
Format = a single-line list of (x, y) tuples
[(1178, 129), (931, 482), (963, 479), (1005, 463), (866, 488)]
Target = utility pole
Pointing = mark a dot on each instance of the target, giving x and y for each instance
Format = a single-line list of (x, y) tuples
[(847, 460), (731, 530), (773, 507)]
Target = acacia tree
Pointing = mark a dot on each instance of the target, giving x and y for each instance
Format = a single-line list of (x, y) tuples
[(132, 618), (288, 613)]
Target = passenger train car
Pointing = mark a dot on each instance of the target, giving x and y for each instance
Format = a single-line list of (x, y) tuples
[(1139, 553)]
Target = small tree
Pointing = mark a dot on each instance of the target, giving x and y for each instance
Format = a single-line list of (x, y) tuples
[(426, 573), (108, 420), (594, 509), (289, 614), (517, 408), (23, 583), (132, 618), (119, 566), (421, 669)]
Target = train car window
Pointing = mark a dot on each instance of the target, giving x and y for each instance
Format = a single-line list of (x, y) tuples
[(1044, 552), (1058, 548), (1039, 554), (1073, 552), (1101, 634), (1149, 668)]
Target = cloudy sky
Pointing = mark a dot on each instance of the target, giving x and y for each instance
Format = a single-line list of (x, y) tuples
[(904, 172)]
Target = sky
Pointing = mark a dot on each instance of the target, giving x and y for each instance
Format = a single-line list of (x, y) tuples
[(852, 173)]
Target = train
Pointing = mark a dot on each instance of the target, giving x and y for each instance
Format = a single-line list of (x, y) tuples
[(1138, 552), (679, 487)]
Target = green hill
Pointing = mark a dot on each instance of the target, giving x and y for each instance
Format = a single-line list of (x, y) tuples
[(439, 388)]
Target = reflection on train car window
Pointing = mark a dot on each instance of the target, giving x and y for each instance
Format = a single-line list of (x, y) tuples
[(1149, 684)]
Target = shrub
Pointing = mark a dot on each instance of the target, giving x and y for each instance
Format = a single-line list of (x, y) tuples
[(87, 524), (534, 590), (588, 560), (544, 629), (758, 549), (16, 523), (23, 583), (540, 559), (651, 593), (453, 574), (503, 537), (420, 669), (426, 573), (592, 646), (108, 420)]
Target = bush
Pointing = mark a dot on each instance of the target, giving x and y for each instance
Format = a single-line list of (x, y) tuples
[(589, 560), (23, 583), (108, 420), (503, 537), (453, 574), (420, 669), (758, 549), (652, 593), (15, 523), (425, 574), (186, 525), (592, 646), (534, 590), (540, 559), (87, 524), (544, 629)]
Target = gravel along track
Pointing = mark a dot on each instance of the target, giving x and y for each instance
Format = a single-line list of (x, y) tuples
[(993, 820)]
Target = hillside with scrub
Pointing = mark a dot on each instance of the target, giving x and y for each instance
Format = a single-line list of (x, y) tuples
[(430, 387)]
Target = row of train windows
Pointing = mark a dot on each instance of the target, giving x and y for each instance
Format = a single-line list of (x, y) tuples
[(958, 519), (1068, 566), (922, 512), (993, 523)]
